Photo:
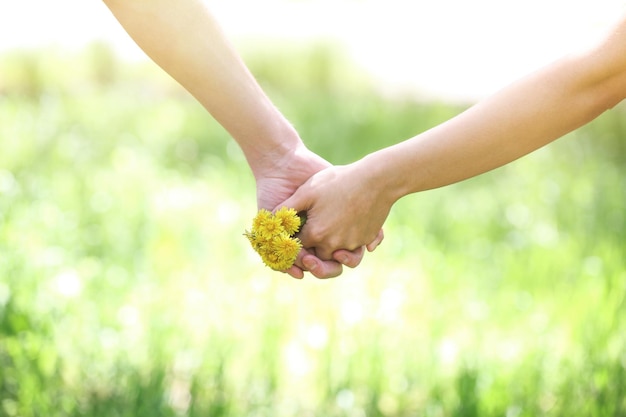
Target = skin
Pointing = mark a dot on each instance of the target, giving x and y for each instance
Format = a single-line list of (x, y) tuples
[(347, 205), (184, 39)]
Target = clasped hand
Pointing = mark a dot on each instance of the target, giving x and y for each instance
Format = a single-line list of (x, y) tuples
[(344, 217)]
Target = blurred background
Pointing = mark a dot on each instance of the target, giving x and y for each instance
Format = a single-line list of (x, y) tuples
[(128, 289)]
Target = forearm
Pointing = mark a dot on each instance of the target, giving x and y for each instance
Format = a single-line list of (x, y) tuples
[(514, 122), (185, 40)]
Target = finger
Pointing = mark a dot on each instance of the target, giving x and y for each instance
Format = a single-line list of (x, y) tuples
[(295, 272), (351, 259), (303, 252), (323, 254), (374, 244), (297, 201), (321, 269), (308, 261)]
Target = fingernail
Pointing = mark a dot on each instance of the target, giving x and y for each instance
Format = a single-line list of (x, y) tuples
[(344, 259), (309, 264)]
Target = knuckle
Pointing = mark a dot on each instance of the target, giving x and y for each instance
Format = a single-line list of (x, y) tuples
[(317, 235)]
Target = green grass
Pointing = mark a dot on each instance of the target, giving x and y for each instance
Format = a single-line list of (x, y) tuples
[(127, 288)]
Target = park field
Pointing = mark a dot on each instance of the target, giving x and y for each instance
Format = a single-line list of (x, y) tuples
[(127, 287)]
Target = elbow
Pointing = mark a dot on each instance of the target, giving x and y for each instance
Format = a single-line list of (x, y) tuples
[(596, 88), (601, 80), (608, 93), (594, 103), (612, 99)]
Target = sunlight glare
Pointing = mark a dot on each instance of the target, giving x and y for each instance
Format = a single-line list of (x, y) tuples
[(449, 49)]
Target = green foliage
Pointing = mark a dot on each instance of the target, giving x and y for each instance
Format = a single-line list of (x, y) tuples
[(127, 288)]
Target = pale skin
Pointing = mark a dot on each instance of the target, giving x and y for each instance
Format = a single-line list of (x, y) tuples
[(184, 39), (347, 205)]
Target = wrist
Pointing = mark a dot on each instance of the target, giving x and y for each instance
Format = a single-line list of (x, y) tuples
[(381, 177), (272, 149)]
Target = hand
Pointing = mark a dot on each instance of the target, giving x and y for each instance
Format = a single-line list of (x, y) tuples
[(345, 209), (276, 184)]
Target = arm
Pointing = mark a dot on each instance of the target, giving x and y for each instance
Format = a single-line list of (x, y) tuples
[(184, 39), (346, 205)]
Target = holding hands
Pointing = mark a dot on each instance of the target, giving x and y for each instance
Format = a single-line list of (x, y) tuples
[(346, 206), (345, 209), (277, 182)]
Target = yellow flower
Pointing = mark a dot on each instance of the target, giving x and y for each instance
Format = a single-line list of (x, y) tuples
[(286, 247), (260, 218), (273, 261), (289, 219), (270, 226), (258, 241), (272, 236)]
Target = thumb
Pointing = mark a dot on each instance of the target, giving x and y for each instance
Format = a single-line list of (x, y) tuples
[(298, 201)]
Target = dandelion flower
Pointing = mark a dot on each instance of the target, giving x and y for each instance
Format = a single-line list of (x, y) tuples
[(261, 217), (287, 247), (289, 220), (273, 237)]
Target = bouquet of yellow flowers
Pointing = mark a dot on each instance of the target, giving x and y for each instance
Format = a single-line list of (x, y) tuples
[(273, 237)]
